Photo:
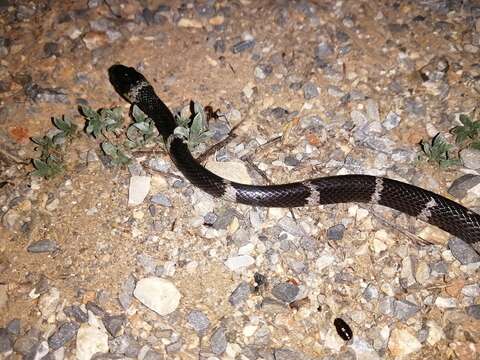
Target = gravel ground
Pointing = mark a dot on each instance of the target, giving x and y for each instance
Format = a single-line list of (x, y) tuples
[(112, 262)]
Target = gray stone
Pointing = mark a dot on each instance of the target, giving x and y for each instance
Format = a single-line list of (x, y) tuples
[(439, 268), (218, 341), (124, 344), (5, 342), (285, 291), (224, 219), (14, 326), (391, 121), (415, 107), (42, 246), (291, 161), (74, 311), (287, 354), (460, 186), (126, 294), (161, 199), (310, 91), (25, 345), (210, 218), (336, 232), (262, 71), (198, 321), (474, 311), (174, 347), (279, 113), (240, 294), (387, 305), (147, 262), (95, 309), (404, 309), (64, 334), (370, 292), (153, 355), (114, 324), (323, 50), (462, 251), (242, 46), (470, 158)]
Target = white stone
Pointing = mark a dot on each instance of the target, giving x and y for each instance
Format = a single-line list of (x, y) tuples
[(435, 333), (422, 272), (324, 261), (47, 303), (333, 341), (237, 263), (157, 294), (230, 170), (403, 342), (445, 303), (363, 350), (138, 190), (189, 23), (90, 340)]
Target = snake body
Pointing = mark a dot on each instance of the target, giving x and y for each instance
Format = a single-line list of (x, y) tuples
[(412, 200)]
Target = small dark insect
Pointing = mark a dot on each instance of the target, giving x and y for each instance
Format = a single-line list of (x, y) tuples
[(212, 114), (343, 330), (260, 281)]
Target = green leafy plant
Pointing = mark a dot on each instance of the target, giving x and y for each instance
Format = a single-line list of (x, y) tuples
[(66, 127), (48, 168), (118, 157), (50, 162), (193, 131), (467, 132), (101, 121), (438, 151), (141, 131)]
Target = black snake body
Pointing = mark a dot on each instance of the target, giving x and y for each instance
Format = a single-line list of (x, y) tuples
[(412, 200)]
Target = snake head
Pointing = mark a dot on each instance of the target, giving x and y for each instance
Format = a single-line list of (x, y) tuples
[(127, 81)]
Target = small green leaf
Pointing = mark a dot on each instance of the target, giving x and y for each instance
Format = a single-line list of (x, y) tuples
[(109, 148), (138, 115)]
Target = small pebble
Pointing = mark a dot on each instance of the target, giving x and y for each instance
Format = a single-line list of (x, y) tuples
[(285, 291), (242, 46), (158, 294), (240, 294), (473, 311), (198, 321), (336, 232), (114, 324), (462, 251), (64, 334), (218, 341), (42, 246), (161, 199)]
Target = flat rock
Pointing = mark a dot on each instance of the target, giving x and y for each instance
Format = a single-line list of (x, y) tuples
[(462, 251), (403, 342), (230, 170), (64, 334), (238, 263), (157, 294), (90, 340), (42, 246), (138, 189), (47, 303)]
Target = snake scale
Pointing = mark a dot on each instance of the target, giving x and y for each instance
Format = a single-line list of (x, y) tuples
[(412, 200)]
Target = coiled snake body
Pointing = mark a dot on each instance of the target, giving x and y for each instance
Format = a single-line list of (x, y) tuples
[(412, 200)]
